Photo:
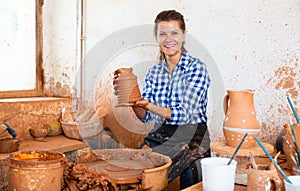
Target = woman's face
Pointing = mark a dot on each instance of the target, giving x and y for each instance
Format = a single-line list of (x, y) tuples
[(170, 37)]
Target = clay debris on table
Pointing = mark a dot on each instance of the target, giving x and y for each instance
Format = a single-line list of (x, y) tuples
[(78, 177)]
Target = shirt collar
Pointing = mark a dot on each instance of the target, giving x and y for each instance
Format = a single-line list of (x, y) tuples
[(182, 62)]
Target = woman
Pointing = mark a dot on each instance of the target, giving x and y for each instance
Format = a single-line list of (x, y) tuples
[(175, 96)]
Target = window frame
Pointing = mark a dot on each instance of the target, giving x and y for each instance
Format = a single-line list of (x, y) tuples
[(38, 90)]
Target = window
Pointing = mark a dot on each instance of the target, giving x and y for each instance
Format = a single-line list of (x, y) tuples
[(21, 48)]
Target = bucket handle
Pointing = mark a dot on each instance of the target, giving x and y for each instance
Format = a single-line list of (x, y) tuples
[(225, 103)]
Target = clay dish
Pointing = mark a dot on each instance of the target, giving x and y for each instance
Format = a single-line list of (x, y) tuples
[(39, 133)]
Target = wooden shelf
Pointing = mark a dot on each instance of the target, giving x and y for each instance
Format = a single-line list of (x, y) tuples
[(56, 143)]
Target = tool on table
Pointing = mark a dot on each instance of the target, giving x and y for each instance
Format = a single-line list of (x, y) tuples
[(274, 162), (237, 148), (254, 165)]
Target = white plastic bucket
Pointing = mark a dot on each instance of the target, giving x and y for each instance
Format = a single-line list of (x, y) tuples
[(217, 175), (295, 186)]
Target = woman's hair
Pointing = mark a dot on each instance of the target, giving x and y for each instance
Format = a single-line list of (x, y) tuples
[(169, 15)]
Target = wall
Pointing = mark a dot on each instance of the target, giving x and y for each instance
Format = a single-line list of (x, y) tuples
[(246, 45)]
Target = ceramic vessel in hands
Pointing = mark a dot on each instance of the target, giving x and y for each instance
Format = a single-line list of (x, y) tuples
[(127, 88)]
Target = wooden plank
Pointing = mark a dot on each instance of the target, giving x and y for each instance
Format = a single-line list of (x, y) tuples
[(56, 143)]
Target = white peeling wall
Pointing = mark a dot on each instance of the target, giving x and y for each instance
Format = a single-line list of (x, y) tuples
[(247, 45), (60, 43)]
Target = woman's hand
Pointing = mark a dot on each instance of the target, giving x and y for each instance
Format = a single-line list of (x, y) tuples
[(116, 75), (142, 103), (102, 110)]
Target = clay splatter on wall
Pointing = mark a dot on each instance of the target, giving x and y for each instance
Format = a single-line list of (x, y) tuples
[(284, 82), (287, 80)]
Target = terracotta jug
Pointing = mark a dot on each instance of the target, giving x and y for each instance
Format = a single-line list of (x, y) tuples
[(127, 88), (240, 118)]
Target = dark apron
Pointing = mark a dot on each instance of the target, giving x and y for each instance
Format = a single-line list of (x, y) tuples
[(182, 143)]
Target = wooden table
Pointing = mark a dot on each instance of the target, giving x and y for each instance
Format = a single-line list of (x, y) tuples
[(199, 187), (56, 143), (260, 160)]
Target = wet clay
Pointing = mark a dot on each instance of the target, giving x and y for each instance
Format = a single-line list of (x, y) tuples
[(121, 171), (36, 170), (78, 177), (128, 91), (240, 118), (121, 122), (143, 168)]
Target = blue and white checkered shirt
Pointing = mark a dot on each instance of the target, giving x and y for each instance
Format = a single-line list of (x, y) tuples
[(184, 91)]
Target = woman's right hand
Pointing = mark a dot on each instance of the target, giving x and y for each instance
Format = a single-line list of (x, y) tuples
[(142, 103), (115, 79)]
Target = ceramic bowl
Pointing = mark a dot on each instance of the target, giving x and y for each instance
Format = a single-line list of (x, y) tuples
[(55, 129), (39, 133)]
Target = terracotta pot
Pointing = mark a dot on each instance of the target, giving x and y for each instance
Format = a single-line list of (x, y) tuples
[(240, 118), (128, 91), (9, 145), (262, 178), (289, 148)]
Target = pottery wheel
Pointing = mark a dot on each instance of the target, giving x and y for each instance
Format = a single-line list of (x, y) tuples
[(121, 171)]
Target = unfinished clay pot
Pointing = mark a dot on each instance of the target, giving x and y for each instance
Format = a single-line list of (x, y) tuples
[(240, 118), (262, 179), (128, 91)]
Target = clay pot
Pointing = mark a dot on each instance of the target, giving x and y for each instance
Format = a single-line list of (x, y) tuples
[(127, 88), (240, 118), (263, 178), (9, 145), (39, 133)]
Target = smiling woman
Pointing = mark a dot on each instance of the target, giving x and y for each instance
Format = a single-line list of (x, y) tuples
[(20, 47)]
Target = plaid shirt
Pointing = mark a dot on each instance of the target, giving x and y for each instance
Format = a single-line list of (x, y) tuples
[(184, 91)]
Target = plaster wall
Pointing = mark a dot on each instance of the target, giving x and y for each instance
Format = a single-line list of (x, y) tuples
[(246, 45)]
